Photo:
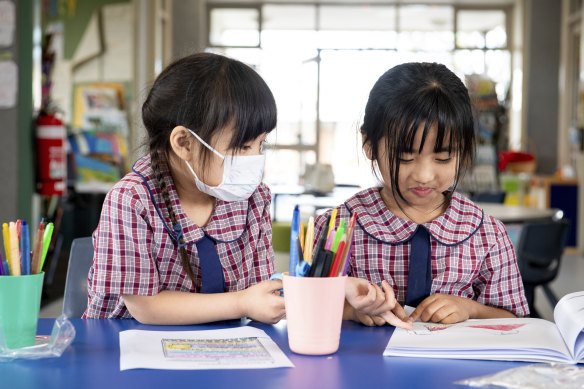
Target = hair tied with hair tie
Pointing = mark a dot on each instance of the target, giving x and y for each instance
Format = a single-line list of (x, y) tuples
[(178, 235)]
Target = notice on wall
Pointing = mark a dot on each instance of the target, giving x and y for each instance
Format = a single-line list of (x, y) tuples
[(8, 81), (7, 23)]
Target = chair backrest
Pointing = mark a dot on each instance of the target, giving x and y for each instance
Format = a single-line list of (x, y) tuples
[(540, 249), (489, 197), (80, 258)]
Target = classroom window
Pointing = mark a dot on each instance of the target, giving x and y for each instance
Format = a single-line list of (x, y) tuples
[(321, 60), (481, 29), (234, 27)]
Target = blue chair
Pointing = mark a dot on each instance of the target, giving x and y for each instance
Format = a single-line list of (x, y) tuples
[(80, 259)]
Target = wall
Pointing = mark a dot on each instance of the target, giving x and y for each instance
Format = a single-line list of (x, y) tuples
[(542, 64), (188, 27), (16, 123), (75, 22)]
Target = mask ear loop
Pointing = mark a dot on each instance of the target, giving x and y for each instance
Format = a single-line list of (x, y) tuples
[(207, 145)]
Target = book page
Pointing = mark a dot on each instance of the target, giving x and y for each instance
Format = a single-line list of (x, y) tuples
[(569, 317), (506, 339), (236, 348)]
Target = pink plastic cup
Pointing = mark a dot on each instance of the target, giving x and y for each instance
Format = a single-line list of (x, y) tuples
[(314, 311)]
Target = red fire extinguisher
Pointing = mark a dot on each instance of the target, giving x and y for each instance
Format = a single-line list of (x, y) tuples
[(51, 158)]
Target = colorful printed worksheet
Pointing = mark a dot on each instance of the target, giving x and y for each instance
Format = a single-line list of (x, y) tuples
[(234, 348)]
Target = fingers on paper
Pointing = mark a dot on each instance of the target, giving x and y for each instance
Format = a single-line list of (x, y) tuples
[(437, 310), (395, 321), (370, 321), (400, 312)]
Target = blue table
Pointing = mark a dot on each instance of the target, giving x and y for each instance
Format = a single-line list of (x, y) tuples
[(93, 361)]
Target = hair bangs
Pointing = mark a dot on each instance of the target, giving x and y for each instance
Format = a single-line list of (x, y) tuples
[(253, 108)]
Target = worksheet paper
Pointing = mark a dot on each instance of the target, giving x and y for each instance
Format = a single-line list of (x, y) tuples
[(234, 348)]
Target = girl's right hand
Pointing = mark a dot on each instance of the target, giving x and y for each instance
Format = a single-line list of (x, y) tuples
[(262, 302), (373, 306)]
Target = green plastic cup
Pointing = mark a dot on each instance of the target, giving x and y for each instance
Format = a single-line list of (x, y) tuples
[(20, 302)]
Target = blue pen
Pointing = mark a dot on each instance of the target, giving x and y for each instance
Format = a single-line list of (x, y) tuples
[(25, 248), (302, 269), (294, 231)]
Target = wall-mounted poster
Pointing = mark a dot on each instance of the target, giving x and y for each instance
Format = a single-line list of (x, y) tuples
[(7, 23), (8, 80)]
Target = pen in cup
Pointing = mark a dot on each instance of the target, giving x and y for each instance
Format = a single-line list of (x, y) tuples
[(25, 248)]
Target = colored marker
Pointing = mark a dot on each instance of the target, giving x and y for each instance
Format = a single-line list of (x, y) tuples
[(6, 236), (14, 250), (338, 235), (332, 221), (308, 245), (294, 229), (47, 236), (37, 251), (25, 248)]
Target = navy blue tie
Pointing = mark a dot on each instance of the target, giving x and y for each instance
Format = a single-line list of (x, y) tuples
[(420, 268), (211, 271)]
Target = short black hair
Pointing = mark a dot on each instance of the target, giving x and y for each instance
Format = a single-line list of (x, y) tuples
[(416, 95), (205, 93)]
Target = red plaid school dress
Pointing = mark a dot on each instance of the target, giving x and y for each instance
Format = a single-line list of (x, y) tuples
[(471, 253), (136, 251)]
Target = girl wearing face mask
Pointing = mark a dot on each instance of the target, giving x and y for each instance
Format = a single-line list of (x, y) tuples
[(186, 236)]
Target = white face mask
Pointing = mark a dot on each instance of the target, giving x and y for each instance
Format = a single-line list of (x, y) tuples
[(241, 175)]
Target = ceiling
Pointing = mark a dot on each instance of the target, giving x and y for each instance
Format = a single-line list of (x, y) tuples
[(466, 3)]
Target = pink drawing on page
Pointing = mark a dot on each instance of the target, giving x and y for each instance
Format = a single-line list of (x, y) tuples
[(498, 327), (503, 329)]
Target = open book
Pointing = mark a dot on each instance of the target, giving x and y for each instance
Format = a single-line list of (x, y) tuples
[(521, 339)]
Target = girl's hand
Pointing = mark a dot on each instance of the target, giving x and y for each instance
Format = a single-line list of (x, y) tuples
[(369, 321), (377, 320), (262, 302), (373, 306), (368, 298), (445, 309), (397, 317)]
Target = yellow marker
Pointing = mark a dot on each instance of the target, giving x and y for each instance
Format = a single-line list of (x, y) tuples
[(332, 222), (6, 236), (309, 240), (14, 250)]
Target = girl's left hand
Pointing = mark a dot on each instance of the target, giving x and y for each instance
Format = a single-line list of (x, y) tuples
[(444, 308)]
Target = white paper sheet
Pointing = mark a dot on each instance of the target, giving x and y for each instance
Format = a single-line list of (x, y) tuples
[(235, 348)]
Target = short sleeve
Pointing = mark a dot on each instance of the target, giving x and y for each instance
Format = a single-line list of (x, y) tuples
[(499, 282), (264, 251), (122, 262)]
